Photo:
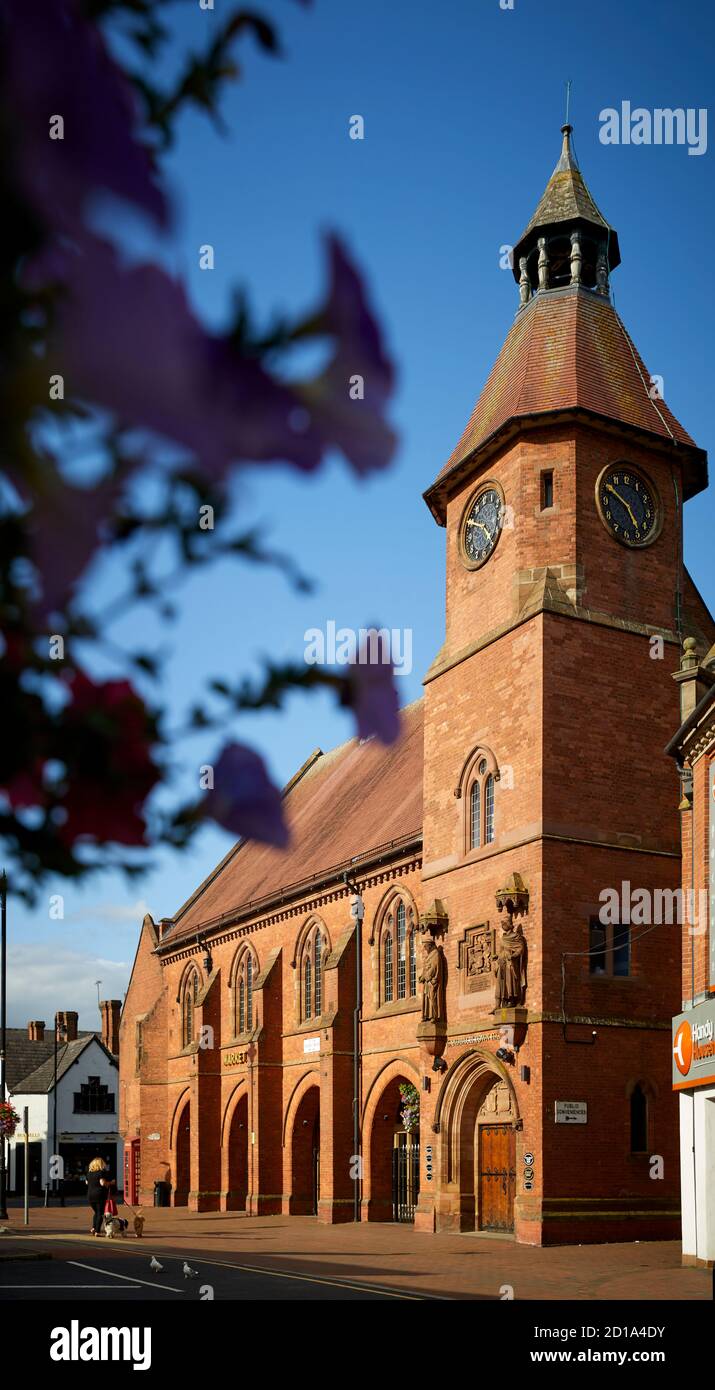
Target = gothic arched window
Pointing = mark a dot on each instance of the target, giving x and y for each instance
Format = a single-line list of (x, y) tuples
[(318, 979), (244, 975), (477, 787), (312, 963), (398, 953), (388, 968), (188, 1007), (489, 810), (475, 814)]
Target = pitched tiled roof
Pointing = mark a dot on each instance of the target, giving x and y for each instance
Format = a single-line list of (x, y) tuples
[(40, 1079), (23, 1055), (357, 799), (568, 349)]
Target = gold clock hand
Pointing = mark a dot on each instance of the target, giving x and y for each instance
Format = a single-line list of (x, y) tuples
[(622, 500), (482, 527)]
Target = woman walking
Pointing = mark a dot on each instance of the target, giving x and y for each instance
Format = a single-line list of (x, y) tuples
[(98, 1186)]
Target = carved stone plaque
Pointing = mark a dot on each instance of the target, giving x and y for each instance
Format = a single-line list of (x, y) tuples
[(476, 953)]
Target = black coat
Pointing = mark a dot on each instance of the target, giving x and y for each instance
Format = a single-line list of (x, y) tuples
[(96, 1192)]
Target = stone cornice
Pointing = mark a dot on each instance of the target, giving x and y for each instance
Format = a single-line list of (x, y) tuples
[(559, 606)]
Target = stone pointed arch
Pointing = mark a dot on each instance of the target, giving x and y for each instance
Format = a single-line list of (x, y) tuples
[(236, 1150), (236, 1095), (309, 1078), (312, 920), (398, 1066), (176, 1114), (379, 1135), (301, 1147), (461, 1098), (395, 890)]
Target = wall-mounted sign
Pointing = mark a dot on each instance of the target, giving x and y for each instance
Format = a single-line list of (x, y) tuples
[(528, 1158), (570, 1112), (528, 1174), (311, 1044), (490, 1035), (234, 1059), (154, 1136), (428, 1162), (528, 1184), (694, 1047)]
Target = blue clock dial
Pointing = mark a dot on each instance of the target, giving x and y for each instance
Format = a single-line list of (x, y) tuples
[(482, 525), (628, 506)]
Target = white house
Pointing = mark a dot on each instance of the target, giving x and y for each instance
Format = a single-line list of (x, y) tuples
[(70, 1088)]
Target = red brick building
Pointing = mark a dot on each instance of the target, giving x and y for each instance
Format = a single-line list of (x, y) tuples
[(264, 1024)]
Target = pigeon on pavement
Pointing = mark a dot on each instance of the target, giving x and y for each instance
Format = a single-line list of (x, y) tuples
[(190, 1273), (154, 1264)]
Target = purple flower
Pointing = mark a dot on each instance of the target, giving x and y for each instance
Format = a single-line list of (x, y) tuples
[(372, 696), (64, 526), (354, 425), (56, 65), (244, 800), (125, 338)]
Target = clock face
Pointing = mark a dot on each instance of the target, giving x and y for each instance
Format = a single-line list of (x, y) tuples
[(628, 505), (482, 525)]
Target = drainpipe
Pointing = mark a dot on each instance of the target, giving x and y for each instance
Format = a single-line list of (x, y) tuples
[(357, 912), (692, 1003)]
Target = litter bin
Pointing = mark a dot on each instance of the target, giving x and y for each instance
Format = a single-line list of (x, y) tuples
[(161, 1193)]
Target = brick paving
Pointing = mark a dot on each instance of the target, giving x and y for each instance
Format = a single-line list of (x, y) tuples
[(394, 1257)]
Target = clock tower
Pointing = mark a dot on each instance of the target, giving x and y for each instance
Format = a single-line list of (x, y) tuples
[(551, 834)]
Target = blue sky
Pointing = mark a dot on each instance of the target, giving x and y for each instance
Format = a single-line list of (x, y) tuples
[(462, 106)]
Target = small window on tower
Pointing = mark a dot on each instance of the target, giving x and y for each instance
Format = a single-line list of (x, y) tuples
[(609, 949), (547, 490)]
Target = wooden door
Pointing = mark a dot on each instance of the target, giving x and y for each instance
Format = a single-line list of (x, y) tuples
[(497, 1177)]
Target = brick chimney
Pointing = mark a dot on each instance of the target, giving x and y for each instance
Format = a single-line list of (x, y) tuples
[(110, 1009), (67, 1026), (36, 1030)]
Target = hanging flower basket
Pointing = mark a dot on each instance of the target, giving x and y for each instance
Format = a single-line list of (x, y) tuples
[(410, 1112), (9, 1120)]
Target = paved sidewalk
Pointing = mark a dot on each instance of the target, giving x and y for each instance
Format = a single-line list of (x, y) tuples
[(446, 1266)]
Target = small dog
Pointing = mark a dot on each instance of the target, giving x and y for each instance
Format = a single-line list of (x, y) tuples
[(115, 1226), (138, 1223)]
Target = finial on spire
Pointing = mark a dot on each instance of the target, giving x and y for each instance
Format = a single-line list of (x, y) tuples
[(568, 100)]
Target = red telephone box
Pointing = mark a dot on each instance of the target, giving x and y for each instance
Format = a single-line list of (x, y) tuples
[(132, 1172)]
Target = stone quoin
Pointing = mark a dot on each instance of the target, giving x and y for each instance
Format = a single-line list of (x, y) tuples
[(531, 776)]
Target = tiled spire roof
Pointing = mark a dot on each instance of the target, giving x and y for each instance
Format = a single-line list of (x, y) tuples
[(567, 350), (567, 199)]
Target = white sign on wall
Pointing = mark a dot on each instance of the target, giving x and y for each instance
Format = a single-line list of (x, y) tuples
[(311, 1044), (570, 1112)]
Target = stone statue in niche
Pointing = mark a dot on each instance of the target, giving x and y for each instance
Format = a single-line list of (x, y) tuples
[(511, 960), (432, 981)]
